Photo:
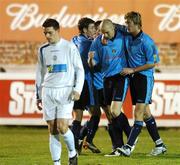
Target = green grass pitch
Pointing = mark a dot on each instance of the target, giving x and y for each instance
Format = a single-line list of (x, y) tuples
[(29, 146)]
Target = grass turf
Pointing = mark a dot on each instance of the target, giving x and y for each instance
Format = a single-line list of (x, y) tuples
[(29, 146)]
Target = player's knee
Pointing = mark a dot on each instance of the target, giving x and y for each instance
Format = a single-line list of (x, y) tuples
[(53, 131), (63, 129), (52, 128), (78, 114), (139, 115), (96, 111), (115, 112)]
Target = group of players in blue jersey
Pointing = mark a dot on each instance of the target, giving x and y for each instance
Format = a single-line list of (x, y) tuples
[(93, 72), (114, 58)]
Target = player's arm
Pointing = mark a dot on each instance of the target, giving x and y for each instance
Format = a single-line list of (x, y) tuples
[(79, 73), (40, 72), (151, 60), (94, 57), (121, 28)]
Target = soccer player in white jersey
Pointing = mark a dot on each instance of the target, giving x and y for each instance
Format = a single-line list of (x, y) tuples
[(59, 82)]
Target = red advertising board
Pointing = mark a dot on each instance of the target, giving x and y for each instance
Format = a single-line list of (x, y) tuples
[(17, 101)]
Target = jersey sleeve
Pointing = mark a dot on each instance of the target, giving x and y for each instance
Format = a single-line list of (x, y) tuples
[(40, 72), (121, 28), (151, 53), (156, 54), (78, 67)]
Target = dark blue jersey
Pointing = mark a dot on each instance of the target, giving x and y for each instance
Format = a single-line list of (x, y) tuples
[(83, 44), (141, 50), (110, 57)]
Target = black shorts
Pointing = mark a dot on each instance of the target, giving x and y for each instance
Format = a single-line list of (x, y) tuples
[(99, 97), (141, 87), (115, 88), (84, 98)]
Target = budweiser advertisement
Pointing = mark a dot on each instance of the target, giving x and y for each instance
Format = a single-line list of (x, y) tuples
[(18, 103), (21, 20)]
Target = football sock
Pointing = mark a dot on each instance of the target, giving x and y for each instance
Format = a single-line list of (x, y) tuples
[(117, 133), (118, 140), (76, 127), (135, 131), (69, 140), (92, 128), (152, 129), (122, 123), (57, 162), (159, 142), (55, 147), (111, 134), (83, 131), (125, 122)]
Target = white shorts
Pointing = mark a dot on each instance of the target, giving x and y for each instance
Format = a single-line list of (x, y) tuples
[(56, 103)]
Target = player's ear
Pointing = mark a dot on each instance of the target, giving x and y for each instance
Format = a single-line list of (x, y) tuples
[(84, 30)]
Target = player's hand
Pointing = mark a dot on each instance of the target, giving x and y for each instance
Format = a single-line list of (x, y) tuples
[(90, 59), (91, 54), (74, 96), (39, 104), (127, 71)]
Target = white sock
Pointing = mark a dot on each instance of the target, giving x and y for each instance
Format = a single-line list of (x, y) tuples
[(57, 163), (69, 140), (159, 141), (55, 148)]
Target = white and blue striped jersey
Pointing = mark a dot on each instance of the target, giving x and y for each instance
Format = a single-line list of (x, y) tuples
[(59, 65)]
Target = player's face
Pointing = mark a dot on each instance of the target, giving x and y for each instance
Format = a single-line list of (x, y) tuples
[(51, 34), (132, 28), (91, 30), (108, 31)]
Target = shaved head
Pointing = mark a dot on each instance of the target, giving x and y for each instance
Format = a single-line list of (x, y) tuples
[(107, 28), (105, 23)]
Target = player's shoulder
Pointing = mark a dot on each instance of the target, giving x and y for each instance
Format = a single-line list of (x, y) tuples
[(66, 43), (146, 39), (44, 45)]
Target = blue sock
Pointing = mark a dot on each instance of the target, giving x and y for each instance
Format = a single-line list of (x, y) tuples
[(92, 128), (135, 131), (75, 128), (152, 128)]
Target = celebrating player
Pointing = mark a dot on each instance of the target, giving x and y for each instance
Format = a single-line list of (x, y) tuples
[(142, 58), (83, 42), (108, 57)]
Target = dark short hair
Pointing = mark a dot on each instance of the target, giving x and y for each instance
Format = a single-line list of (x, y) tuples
[(84, 23), (49, 22), (135, 17), (97, 23)]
